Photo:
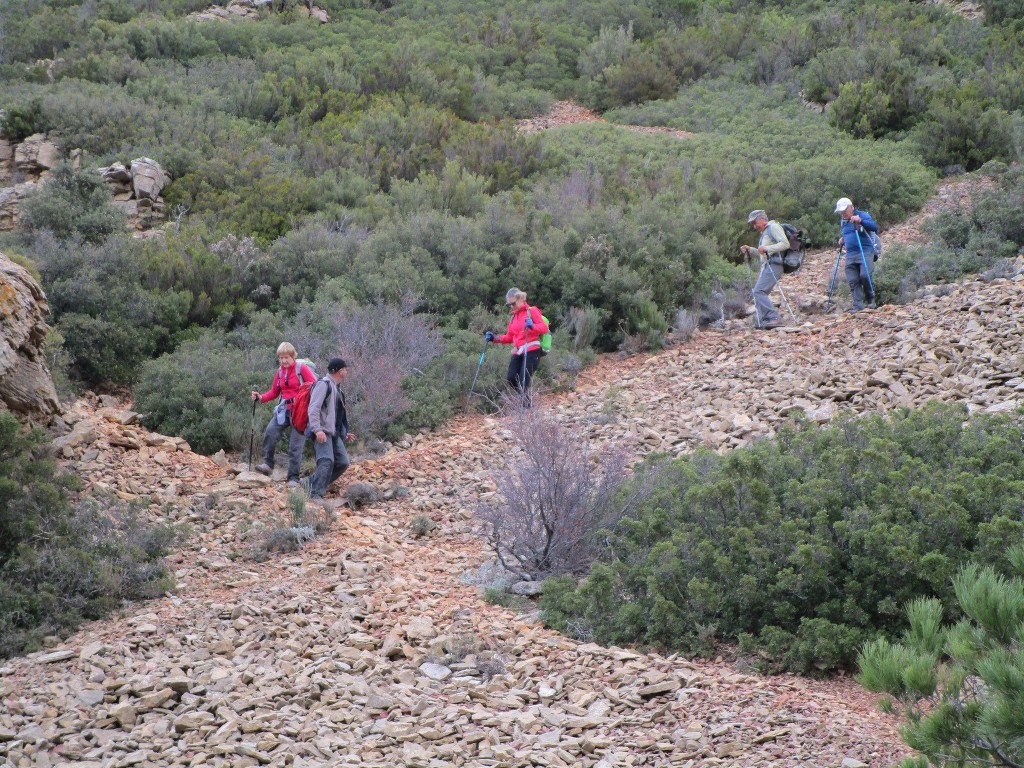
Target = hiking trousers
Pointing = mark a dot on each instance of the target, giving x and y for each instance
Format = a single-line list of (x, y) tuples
[(331, 463), (769, 276), (520, 376), (857, 275), (296, 445)]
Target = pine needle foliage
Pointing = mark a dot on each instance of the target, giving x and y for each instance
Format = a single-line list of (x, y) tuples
[(960, 686)]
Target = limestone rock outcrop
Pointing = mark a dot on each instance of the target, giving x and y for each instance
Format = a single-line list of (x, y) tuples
[(136, 188), (22, 166), (250, 10), (25, 384)]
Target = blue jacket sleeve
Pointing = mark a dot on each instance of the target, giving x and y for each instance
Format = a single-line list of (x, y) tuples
[(867, 222)]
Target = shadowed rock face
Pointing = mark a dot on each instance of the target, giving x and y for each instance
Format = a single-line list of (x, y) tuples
[(25, 384)]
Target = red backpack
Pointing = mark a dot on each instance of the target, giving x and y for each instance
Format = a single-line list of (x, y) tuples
[(300, 405)]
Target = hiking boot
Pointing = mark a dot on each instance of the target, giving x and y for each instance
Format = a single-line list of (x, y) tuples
[(771, 324), (264, 469)]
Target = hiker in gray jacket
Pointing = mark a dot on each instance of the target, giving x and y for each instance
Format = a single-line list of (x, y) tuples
[(328, 424), (770, 247)]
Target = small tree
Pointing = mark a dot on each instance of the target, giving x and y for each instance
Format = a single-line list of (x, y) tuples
[(553, 497), (961, 687)]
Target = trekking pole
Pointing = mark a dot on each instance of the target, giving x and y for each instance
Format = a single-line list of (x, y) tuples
[(867, 270), (832, 285), (479, 365), (252, 433), (782, 293), (750, 275)]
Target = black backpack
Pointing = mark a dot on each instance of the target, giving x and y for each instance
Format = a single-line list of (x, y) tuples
[(793, 258)]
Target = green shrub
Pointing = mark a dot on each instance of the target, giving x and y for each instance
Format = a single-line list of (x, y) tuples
[(73, 204), (960, 686), (804, 545), (19, 121), (63, 563), (962, 245)]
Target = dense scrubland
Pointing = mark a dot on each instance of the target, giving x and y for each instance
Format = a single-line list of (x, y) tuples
[(373, 160), (362, 182)]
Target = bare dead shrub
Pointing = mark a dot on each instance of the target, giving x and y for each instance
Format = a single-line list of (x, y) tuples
[(686, 325), (633, 344), (554, 495), (585, 325), (382, 344), (736, 302)]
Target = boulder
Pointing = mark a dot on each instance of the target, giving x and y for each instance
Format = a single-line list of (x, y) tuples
[(6, 160), (116, 173), (25, 384), (10, 204), (36, 155), (148, 178)]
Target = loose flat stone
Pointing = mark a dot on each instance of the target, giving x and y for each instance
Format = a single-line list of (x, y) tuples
[(52, 658), (435, 671)]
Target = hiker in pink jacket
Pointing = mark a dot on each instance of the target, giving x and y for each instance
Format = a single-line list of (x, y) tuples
[(524, 332), (289, 377)]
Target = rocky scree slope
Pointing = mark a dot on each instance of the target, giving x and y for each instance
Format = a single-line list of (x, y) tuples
[(372, 647)]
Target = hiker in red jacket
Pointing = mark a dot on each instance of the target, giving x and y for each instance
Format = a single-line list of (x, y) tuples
[(290, 376), (524, 332)]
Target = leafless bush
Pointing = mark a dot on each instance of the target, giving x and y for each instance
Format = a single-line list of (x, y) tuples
[(554, 496), (686, 325), (736, 302), (584, 324), (633, 344), (382, 344)]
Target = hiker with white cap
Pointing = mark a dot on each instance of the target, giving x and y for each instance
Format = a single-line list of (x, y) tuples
[(772, 244), (860, 252)]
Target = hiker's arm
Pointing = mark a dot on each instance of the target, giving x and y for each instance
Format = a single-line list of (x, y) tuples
[(867, 222), (505, 338), (316, 402), (274, 391)]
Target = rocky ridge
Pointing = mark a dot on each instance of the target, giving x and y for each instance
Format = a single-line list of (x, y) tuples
[(25, 384), (249, 10), (135, 188), (373, 647)]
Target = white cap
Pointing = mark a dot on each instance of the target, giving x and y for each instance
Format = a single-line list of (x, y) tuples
[(842, 204)]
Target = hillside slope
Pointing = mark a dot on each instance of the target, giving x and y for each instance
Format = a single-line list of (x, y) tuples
[(316, 658)]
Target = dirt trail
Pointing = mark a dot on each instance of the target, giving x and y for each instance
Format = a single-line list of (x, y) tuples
[(370, 647)]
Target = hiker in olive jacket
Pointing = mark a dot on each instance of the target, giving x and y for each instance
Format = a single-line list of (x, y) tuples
[(772, 244), (328, 425)]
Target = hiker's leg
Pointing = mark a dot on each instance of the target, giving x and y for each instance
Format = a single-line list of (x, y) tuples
[(321, 478), (341, 461), (514, 377), (532, 361), (856, 289), (270, 437), (765, 282), (296, 446)]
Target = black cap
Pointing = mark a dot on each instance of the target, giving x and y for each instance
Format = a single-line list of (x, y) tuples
[(336, 365)]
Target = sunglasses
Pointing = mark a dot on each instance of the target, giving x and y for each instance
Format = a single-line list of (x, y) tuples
[(510, 304)]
